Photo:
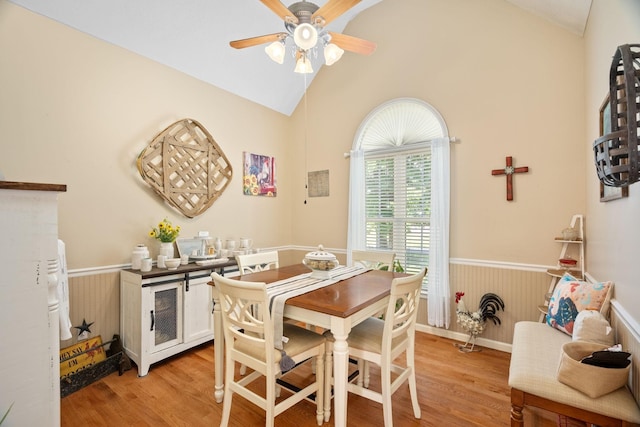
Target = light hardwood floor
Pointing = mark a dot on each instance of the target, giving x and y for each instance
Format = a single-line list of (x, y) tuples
[(455, 389)]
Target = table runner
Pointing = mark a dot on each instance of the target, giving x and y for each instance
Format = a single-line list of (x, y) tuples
[(278, 292)]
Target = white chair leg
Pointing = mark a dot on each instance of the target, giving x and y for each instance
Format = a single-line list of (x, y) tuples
[(366, 373), (320, 392), (385, 380), (226, 408), (271, 401), (413, 390), (310, 327), (228, 394), (360, 379), (414, 395), (328, 379)]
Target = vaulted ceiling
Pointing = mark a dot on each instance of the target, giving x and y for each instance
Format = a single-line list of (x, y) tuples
[(193, 37)]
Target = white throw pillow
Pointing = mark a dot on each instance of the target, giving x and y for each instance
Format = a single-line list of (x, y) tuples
[(592, 326)]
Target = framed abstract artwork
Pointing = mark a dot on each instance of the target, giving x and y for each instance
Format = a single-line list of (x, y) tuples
[(608, 193), (259, 175)]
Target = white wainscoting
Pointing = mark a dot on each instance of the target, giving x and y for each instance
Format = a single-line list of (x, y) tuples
[(628, 334), (521, 287), (95, 295)]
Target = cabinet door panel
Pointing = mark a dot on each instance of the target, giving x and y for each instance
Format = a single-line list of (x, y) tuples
[(198, 309), (164, 316)]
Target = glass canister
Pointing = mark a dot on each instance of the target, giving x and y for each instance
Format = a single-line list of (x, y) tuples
[(570, 234), (217, 244), (145, 265)]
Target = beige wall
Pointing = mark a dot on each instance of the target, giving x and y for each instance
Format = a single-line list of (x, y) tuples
[(612, 228), (77, 111), (507, 84)]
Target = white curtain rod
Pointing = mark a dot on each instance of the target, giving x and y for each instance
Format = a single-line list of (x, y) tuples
[(452, 139)]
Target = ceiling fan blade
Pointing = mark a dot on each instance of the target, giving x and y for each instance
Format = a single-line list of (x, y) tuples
[(333, 9), (353, 44), (281, 10), (254, 41)]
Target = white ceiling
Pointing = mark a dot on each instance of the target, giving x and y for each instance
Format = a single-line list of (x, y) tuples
[(569, 14), (193, 37)]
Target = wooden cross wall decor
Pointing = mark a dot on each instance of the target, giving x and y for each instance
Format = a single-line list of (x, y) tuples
[(509, 171)]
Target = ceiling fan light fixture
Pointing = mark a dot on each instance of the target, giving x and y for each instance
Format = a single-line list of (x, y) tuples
[(303, 65), (305, 36), (276, 51), (332, 53)]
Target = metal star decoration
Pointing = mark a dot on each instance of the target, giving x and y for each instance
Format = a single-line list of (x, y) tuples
[(84, 327)]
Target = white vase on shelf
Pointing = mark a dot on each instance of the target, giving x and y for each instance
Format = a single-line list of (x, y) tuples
[(166, 249)]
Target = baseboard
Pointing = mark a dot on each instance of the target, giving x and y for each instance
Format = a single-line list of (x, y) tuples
[(457, 336)]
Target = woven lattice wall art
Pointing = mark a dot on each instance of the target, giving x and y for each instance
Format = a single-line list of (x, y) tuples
[(617, 153), (185, 166)]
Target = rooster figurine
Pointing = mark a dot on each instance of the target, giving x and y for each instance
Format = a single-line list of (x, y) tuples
[(474, 322)]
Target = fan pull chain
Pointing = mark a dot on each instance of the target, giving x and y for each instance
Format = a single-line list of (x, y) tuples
[(306, 137)]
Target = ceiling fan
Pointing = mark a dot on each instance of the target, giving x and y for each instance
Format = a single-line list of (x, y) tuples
[(306, 23)]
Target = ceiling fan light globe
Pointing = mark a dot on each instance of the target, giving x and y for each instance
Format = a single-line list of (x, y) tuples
[(332, 53), (276, 51), (305, 36), (303, 65)]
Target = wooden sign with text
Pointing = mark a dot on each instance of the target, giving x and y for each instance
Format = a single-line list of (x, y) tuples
[(80, 356)]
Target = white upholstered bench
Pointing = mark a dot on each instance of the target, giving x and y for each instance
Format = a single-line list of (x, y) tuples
[(535, 357)]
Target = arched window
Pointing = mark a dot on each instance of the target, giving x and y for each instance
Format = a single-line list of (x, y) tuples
[(401, 123), (399, 193)]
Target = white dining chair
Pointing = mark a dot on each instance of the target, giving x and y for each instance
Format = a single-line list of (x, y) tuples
[(377, 260), (260, 261), (254, 263), (249, 340), (373, 259), (382, 342)]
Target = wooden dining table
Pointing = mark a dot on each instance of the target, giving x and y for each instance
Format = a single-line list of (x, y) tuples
[(337, 307)]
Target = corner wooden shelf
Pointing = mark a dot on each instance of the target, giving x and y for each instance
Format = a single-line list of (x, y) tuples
[(559, 272), (574, 247)]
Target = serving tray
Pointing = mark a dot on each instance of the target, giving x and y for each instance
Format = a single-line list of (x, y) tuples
[(212, 261)]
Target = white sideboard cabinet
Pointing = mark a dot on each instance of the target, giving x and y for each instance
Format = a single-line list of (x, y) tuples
[(30, 331), (164, 312)]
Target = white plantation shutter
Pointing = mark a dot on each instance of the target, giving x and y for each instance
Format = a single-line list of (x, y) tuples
[(397, 205), (391, 205)]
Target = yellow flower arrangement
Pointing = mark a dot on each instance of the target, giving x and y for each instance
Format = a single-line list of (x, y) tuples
[(165, 232)]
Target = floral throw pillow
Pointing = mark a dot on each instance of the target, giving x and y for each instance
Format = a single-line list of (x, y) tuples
[(570, 297)]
